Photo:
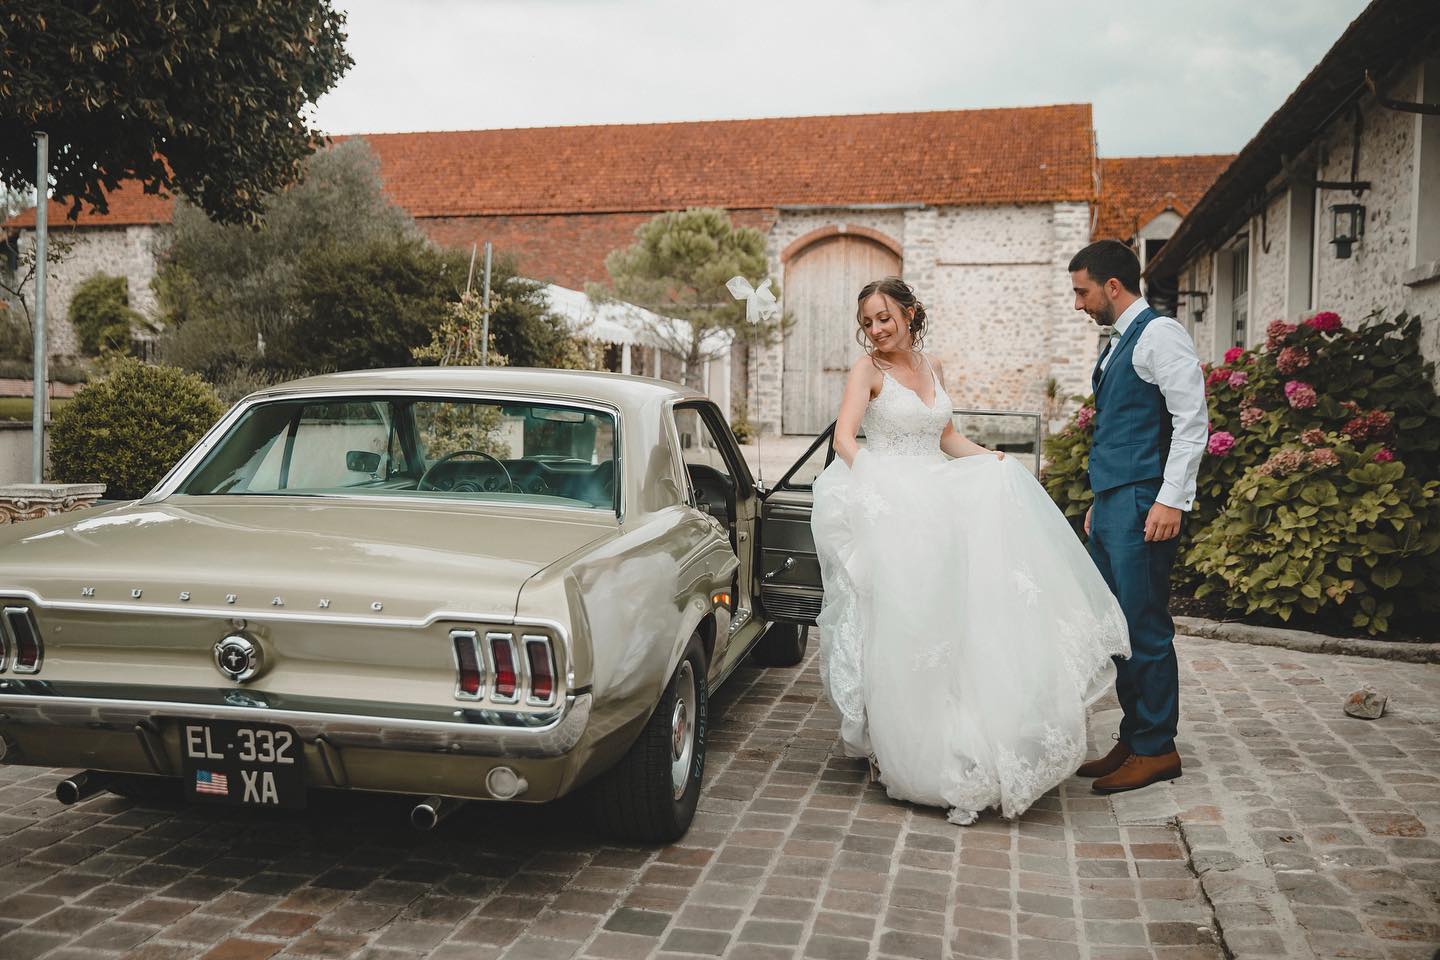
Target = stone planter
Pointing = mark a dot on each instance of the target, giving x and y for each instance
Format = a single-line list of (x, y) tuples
[(30, 501)]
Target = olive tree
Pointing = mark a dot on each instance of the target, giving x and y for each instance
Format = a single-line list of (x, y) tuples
[(677, 269)]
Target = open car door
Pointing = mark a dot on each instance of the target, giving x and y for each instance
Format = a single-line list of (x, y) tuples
[(787, 567)]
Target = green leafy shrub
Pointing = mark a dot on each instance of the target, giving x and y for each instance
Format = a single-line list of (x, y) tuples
[(127, 430), (101, 314), (1313, 385), (1067, 458), (1323, 530)]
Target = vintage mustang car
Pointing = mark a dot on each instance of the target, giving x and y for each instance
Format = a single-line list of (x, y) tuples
[(452, 583)]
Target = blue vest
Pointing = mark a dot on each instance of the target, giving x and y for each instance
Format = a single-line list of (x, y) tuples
[(1132, 423)]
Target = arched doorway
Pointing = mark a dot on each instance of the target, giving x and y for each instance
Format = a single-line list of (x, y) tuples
[(821, 281)]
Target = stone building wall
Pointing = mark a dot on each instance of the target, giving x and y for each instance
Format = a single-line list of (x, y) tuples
[(996, 288), (1197, 311), (1268, 267), (129, 252), (1380, 273)]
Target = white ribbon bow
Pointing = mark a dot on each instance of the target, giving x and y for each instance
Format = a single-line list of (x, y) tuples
[(760, 303)]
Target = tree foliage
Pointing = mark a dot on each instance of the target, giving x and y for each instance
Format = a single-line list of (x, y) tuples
[(677, 268), (364, 305), (338, 277), (201, 98), (128, 430), (227, 292), (101, 314)]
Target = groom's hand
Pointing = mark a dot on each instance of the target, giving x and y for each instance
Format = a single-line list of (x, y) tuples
[(1161, 523), (1087, 520)]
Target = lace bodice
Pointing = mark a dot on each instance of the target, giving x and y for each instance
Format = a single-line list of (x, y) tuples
[(898, 423)]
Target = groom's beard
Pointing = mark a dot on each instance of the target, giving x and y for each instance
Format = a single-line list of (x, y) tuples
[(1105, 316)]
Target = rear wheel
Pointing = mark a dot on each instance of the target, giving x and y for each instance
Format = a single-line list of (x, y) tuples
[(650, 795), (783, 645)]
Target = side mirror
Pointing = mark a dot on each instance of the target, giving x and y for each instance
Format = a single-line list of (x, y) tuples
[(362, 461)]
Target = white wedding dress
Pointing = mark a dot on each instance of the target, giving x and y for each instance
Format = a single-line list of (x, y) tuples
[(964, 629)]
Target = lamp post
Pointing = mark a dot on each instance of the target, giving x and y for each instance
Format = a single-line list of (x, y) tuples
[(37, 409)]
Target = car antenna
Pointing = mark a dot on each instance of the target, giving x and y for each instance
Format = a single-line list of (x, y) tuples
[(760, 305)]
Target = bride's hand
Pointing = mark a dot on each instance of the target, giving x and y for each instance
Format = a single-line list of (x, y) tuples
[(999, 454)]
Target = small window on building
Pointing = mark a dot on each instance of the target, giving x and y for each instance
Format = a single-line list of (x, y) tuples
[(1300, 252), (1194, 304), (1240, 294)]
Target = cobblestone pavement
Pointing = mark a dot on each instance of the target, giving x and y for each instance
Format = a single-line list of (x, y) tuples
[(1311, 835)]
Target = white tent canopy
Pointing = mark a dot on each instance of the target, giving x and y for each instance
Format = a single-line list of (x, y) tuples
[(632, 329), (618, 322)]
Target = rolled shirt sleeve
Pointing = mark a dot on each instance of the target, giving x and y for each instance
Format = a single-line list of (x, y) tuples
[(1166, 357)]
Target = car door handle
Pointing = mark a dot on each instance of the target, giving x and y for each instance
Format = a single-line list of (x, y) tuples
[(789, 562)]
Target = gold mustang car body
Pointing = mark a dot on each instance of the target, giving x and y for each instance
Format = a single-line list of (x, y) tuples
[(446, 582)]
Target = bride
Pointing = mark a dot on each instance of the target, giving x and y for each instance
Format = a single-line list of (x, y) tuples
[(965, 629)]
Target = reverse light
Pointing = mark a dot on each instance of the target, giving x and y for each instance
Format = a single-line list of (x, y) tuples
[(542, 669), (502, 656), (469, 672), (20, 636)]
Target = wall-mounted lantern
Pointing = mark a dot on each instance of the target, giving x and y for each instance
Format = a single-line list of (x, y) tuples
[(1349, 227)]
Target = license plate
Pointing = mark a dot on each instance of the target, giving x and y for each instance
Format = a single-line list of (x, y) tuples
[(248, 764)]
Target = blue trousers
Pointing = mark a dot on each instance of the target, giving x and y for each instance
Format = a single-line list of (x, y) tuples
[(1148, 684)]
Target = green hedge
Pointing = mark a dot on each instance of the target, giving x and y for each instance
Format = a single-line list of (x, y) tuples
[(128, 430)]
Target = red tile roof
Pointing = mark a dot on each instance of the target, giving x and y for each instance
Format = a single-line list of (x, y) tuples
[(1030, 154), (130, 205), (568, 249), (1135, 190), (1010, 155)]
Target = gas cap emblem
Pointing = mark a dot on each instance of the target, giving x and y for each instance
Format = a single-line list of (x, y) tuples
[(238, 657)]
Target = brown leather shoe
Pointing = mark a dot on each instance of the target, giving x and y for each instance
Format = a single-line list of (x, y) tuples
[(1139, 771), (1108, 764)]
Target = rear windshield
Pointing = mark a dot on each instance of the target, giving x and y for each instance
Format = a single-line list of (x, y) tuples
[(443, 448)]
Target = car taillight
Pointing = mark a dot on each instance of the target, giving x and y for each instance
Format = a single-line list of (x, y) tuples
[(469, 674), (542, 669), (502, 655), (19, 633)]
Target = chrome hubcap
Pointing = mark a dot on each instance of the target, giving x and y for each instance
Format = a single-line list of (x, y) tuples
[(682, 730)]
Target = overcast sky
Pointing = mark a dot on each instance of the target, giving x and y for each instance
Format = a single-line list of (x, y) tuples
[(1165, 76)]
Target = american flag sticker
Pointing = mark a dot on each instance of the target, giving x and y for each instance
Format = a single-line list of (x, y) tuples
[(215, 784)]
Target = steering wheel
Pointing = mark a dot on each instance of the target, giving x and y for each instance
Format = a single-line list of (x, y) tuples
[(509, 482)]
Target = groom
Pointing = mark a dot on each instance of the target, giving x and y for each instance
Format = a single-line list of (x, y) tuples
[(1151, 426)]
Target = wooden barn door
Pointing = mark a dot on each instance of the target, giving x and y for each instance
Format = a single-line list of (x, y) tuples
[(820, 286)]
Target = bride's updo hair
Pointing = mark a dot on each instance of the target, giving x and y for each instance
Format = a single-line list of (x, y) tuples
[(898, 292)]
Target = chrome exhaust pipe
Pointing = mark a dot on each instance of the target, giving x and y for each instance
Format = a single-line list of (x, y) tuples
[(430, 811), (81, 786)]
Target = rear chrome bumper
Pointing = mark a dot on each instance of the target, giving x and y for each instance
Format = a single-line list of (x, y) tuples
[(404, 727)]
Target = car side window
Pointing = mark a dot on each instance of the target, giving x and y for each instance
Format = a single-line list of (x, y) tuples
[(710, 476), (312, 454)]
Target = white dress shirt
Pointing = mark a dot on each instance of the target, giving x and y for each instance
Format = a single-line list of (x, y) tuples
[(1165, 355)]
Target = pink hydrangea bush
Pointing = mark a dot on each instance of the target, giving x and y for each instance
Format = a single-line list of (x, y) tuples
[(1300, 395), (1348, 410), (1220, 444)]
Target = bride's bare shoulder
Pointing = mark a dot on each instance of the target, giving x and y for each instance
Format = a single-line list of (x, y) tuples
[(864, 366), (866, 374)]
